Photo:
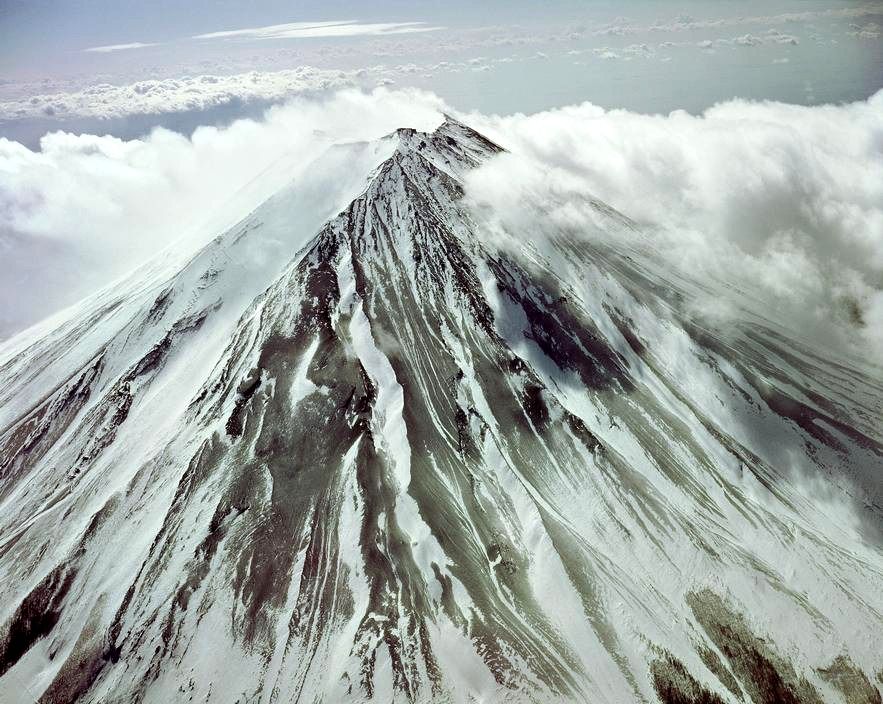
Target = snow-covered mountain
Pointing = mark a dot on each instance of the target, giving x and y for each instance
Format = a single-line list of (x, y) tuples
[(356, 448)]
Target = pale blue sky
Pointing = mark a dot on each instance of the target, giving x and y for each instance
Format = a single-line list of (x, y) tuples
[(646, 55)]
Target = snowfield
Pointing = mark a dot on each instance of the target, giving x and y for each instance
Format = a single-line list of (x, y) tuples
[(358, 449)]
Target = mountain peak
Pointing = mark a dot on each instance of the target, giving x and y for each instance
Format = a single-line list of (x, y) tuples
[(409, 466), (451, 147)]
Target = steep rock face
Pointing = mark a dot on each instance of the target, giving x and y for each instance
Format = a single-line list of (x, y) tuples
[(423, 463)]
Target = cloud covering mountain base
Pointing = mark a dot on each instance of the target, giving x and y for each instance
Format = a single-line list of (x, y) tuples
[(782, 201)]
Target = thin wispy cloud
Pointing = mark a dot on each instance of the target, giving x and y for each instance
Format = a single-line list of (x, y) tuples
[(303, 30), (120, 47), (785, 199)]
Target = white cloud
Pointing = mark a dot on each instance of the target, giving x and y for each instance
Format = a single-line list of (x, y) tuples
[(777, 37), (784, 201), (770, 36), (178, 94), (120, 47), (686, 23), (605, 52), (638, 50), (84, 209), (747, 40), (303, 30), (869, 30)]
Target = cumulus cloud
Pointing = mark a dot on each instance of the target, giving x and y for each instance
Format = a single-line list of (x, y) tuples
[(642, 50), (605, 52), (782, 201), (770, 36), (85, 209), (747, 40), (777, 37), (869, 30), (303, 30), (120, 47)]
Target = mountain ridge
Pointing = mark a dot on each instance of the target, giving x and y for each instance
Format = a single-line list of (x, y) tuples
[(415, 465)]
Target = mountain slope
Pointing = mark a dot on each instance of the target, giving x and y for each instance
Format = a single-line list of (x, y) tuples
[(420, 463)]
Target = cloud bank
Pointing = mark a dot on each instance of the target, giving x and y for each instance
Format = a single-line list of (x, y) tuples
[(687, 23), (782, 201), (170, 95)]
